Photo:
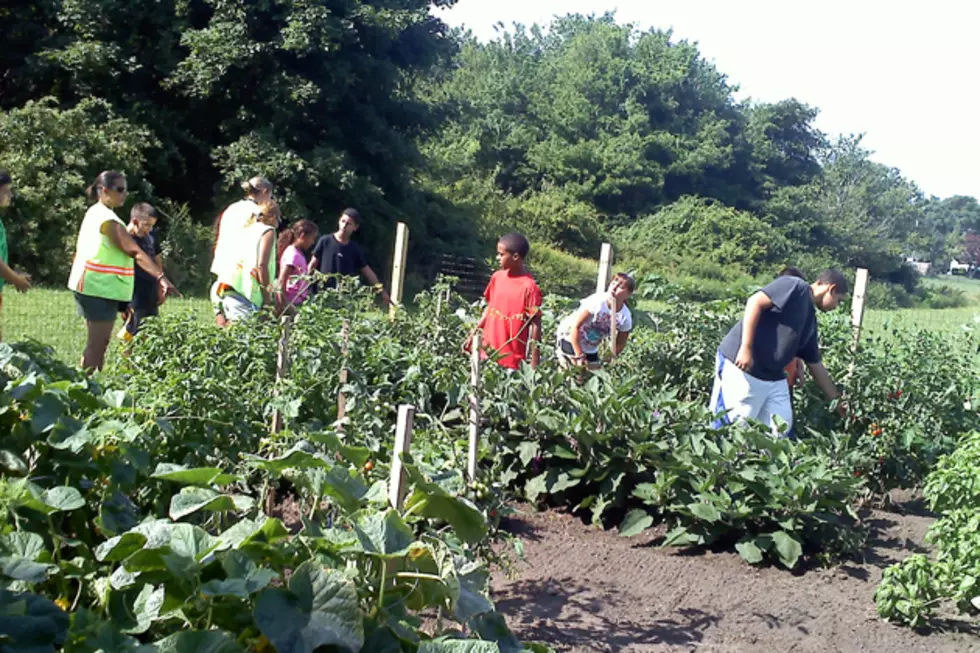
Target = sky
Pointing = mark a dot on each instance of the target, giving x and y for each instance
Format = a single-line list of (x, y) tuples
[(906, 75)]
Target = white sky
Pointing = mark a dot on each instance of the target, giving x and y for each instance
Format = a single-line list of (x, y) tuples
[(907, 76)]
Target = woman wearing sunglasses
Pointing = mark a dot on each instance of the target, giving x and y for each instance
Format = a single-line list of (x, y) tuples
[(102, 276)]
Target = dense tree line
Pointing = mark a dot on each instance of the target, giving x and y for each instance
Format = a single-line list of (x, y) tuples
[(577, 133)]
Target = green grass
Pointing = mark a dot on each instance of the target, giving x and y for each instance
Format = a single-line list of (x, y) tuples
[(48, 315), (947, 320)]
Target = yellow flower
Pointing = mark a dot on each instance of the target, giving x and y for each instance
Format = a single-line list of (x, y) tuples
[(62, 603)]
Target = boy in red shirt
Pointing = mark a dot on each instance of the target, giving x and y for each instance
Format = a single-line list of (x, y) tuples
[(512, 317)]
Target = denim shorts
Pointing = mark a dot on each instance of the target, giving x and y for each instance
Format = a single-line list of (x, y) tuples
[(98, 309)]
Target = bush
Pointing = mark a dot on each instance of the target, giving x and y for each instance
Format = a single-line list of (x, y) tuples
[(709, 231), (53, 154), (560, 273), (187, 249)]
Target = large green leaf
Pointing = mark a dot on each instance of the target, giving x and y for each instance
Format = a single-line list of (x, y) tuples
[(355, 455), (635, 522), (385, 535), (788, 547), (295, 458), (194, 499), (749, 551), (132, 611), (200, 641), (46, 411), (319, 609), (243, 577), (30, 624), (431, 500), (57, 499), (704, 511), (203, 476), (152, 535)]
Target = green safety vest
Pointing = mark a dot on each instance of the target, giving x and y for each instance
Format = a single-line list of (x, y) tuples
[(100, 269), (241, 272)]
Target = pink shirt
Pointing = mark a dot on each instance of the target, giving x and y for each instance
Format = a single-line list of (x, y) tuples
[(296, 289)]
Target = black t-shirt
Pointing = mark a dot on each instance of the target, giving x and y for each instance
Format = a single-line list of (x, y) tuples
[(335, 257), (145, 286), (786, 331)]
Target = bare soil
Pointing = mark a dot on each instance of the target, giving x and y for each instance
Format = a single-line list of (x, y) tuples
[(581, 589)]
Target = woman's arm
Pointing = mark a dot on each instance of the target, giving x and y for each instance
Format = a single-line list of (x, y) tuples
[(119, 237), (266, 245)]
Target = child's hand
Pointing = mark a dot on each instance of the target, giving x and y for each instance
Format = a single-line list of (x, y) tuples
[(168, 288), (744, 359), (22, 282), (468, 344), (798, 382)]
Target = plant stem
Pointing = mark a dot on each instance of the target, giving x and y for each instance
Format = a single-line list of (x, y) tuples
[(384, 580)]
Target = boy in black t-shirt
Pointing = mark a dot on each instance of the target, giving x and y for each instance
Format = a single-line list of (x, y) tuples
[(779, 324), (146, 290), (336, 253)]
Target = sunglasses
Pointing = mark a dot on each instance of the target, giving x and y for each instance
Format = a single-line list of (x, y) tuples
[(118, 189)]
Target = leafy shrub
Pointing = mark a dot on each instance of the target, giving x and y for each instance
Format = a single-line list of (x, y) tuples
[(560, 273), (187, 249), (53, 154), (716, 233)]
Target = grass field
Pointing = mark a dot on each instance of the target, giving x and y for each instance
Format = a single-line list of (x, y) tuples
[(48, 315)]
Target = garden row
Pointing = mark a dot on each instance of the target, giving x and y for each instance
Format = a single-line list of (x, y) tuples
[(137, 515), (914, 590)]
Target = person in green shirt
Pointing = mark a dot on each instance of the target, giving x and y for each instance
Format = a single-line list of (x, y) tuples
[(21, 282)]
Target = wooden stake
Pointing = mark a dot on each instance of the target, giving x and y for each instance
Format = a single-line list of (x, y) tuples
[(344, 350), (613, 328), (403, 443), (605, 268), (398, 268), (857, 302), (282, 366), (474, 443)]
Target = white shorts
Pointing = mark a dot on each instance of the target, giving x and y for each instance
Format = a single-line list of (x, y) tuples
[(737, 396)]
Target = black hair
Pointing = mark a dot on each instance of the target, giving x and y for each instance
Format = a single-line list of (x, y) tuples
[(515, 243), (5, 178), (353, 214), (142, 211), (836, 278), (790, 271), (256, 185), (294, 232), (627, 279), (106, 179)]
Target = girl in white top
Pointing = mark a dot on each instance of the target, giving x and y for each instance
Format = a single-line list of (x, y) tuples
[(580, 333)]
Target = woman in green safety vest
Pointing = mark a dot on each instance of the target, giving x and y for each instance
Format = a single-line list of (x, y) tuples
[(245, 280), (102, 272)]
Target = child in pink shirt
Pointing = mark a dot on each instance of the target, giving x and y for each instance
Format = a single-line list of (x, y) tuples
[(294, 242)]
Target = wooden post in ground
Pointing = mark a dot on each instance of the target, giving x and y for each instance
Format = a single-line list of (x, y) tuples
[(282, 366), (613, 329), (857, 302), (403, 443), (344, 350), (398, 267), (475, 416), (605, 267), (282, 371)]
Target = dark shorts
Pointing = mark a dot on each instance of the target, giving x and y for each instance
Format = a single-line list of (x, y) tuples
[(98, 309), (565, 347), (138, 316)]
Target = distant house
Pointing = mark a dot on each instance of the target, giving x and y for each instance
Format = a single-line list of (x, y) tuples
[(922, 267), (955, 267)]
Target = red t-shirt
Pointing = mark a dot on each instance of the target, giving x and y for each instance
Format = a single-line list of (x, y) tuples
[(512, 302)]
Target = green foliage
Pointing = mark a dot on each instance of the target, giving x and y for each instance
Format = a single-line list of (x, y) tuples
[(559, 273), (186, 249), (216, 573), (714, 232), (911, 591), (53, 155)]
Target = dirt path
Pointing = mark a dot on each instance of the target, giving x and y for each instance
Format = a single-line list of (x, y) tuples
[(585, 590)]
